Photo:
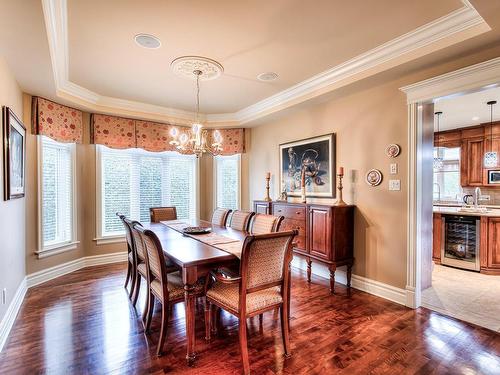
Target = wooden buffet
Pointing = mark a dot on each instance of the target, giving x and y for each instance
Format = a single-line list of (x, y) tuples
[(326, 233)]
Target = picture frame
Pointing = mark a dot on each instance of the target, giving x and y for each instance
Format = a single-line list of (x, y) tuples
[(317, 156), (14, 155)]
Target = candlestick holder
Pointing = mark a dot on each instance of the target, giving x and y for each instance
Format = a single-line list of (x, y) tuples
[(340, 201), (267, 198)]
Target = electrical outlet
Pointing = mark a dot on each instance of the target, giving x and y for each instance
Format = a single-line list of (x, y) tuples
[(484, 198), (4, 296), (394, 168), (395, 185)]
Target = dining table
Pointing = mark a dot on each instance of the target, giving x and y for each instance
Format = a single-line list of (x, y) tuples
[(196, 258)]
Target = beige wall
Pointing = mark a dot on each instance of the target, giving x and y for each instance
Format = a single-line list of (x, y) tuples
[(366, 117), (12, 224)]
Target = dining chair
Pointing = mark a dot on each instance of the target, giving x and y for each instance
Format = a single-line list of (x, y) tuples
[(219, 217), (240, 220), (262, 285), (131, 262), (262, 223), (158, 214), (163, 286), (140, 259)]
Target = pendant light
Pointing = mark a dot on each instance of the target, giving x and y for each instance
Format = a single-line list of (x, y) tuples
[(438, 160), (491, 157)]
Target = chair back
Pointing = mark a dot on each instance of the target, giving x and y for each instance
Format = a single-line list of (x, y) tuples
[(156, 262), (128, 232), (262, 223), (158, 214), (219, 216), (137, 240), (265, 260), (240, 220)]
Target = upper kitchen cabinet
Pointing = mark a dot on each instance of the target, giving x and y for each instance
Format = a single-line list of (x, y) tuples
[(473, 142)]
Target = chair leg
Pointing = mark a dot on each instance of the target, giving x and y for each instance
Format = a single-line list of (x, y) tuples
[(151, 308), (285, 330), (214, 320), (208, 319), (243, 345), (133, 275), (164, 326), (137, 289), (129, 273)]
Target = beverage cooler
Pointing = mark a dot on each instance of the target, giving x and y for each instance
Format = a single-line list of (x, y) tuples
[(461, 239)]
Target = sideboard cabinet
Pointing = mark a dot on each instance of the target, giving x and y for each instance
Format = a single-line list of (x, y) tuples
[(326, 233)]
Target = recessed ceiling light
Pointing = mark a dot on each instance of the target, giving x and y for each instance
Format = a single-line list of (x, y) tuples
[(268, 76), (475, 118), (147, 41)]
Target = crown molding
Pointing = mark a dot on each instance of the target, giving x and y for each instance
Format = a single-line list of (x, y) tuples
[(472, 77), (452, 28)]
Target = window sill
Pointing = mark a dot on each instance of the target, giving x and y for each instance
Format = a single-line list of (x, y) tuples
[(56, 249), (109, 240)]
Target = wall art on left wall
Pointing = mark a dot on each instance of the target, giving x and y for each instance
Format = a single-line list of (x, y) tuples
[(14, 155)]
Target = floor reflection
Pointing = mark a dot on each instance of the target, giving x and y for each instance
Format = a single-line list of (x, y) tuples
[(117, 316), (58, 342)]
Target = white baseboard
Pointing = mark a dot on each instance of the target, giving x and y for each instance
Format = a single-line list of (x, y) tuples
[(374, 287), (51, 273), (48, 274), (11, 313)]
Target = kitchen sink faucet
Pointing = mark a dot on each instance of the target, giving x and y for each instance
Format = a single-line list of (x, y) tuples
[(477, 195)]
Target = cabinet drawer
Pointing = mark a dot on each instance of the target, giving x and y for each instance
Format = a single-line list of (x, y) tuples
[(290, 212), (300, 225)]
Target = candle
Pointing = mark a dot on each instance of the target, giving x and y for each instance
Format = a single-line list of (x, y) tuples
[(341, 171), (268, 175)]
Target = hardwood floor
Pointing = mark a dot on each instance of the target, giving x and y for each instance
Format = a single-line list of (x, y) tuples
[(83, 323)]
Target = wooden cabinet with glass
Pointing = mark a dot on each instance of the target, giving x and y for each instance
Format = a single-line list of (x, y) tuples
[(473, 141)]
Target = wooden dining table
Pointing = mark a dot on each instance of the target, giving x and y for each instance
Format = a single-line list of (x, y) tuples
[(195, 259)]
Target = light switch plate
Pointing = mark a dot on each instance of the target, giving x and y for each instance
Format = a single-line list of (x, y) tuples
[(394, 168), (395, 185)]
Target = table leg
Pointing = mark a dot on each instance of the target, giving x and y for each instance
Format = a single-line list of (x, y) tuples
[(190, 298)]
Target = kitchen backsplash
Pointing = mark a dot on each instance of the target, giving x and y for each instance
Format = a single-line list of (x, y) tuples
[(493, 193)]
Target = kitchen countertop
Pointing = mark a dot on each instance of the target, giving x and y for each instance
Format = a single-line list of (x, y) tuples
[(455, 210)]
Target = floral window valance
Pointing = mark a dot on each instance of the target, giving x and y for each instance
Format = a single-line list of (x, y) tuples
[(56, 121), (118, 132)]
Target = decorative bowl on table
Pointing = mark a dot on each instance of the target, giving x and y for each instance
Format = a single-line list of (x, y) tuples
[(197, 230)]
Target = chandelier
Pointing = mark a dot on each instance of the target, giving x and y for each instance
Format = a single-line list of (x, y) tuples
[(198, 140), (438, 159), (491, 157)]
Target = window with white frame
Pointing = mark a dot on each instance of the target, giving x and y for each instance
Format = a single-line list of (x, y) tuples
[(131, 181), (447, 179), (57, 216), (227, 181)]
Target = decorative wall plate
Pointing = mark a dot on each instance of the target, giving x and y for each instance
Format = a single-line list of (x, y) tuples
[(393, 150), (374, 177)]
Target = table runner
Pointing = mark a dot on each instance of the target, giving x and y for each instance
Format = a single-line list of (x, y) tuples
[(227, 244)]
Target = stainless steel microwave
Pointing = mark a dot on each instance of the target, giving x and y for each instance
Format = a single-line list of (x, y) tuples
[(493, 177)]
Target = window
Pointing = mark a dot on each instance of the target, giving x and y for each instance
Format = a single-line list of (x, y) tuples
[(57, 218), (227, 181), (447, 180), (131, 181)]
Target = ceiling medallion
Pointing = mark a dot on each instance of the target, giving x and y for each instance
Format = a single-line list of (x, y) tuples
[(185, 66)]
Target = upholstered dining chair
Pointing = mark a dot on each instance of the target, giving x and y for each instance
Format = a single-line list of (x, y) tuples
[(262, 285), (219, 217), (262, 223), (158, 214), (240, 220), (165, 287), (131, 262)]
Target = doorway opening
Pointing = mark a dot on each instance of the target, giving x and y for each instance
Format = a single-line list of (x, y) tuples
[(454, 201)]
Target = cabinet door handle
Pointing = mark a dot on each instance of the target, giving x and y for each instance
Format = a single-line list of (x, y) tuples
[(279, 210), (297, 212)]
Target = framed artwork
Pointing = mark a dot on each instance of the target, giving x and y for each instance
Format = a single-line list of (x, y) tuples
[(317, 157), (14, 155)]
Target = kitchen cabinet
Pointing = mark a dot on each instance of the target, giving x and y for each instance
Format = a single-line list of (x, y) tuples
[(473, 141), (489, 246)]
